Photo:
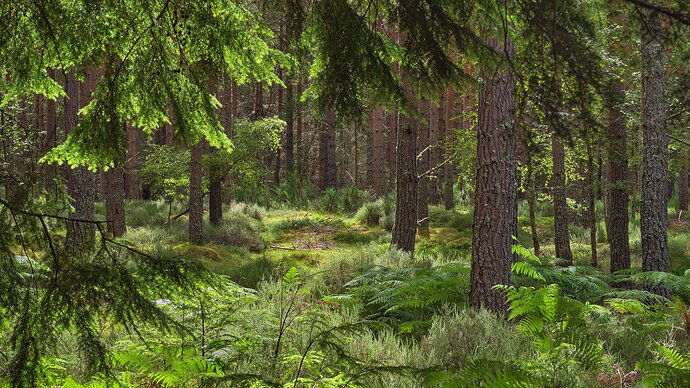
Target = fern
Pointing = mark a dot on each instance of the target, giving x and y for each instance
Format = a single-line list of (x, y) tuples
[(674, 371)]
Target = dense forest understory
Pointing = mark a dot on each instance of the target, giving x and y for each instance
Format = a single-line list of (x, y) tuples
[(335, 193)]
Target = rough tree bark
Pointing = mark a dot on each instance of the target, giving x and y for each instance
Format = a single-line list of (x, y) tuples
[(132, 177), (495, 199), (327, 170), (405, 223), (115, 200), (423, 165), (683, 181), (591, 208), (617, 188), (80, 181), (196, 196), (532, 204), (378, 154), (289, 145), (448, 197), (435, 156), (215, 186), (653, 222), (560, 205)]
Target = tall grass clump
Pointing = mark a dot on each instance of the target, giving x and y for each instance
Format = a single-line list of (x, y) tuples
[(380, 212), (346, 200)]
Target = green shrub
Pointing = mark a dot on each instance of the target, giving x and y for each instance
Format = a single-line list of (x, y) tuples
[(345, 200), (352, 237), (407, 298), (460, 335), (253, 272), (370, 213), (237, 230), (679, 252)]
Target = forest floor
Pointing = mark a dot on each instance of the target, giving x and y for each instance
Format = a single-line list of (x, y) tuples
[(253, 242)]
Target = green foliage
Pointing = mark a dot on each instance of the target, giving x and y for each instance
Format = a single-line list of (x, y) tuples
[(345, 200), (406, 298), (165, 169), (674, 370)]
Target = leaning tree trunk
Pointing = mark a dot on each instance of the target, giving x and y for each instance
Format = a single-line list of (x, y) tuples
[(560, 206), (80, 181), (495, 199), (196, 196), (653, 222), (617, 189)]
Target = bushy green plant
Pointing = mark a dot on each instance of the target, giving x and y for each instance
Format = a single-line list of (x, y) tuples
[(407, 298), (345, 200), (165, 169)]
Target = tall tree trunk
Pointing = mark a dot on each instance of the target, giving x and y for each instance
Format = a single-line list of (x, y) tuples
[(653, 222), (435, 120), (683, 181), (289, 130), (132, 177), (591, 206), (560, 205), (378, 151), (495, 199), (327, 164), (393, 120), (196, 196), (448, 197), (80, 181), (422, 166), (215, 187), (115, 200), (50, 137), (617, 187), (405, 223), (299, 146), (532, 203)]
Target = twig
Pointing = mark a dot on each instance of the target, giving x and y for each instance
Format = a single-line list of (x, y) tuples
[(438, 166)]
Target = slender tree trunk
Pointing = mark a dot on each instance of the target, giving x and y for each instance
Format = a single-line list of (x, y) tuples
[(378, 152), (532, 204), (560, 206), (115, 200), (495, 199), (289, 130), (327, 163), (80, 181), (653, 222), (132, 177), (215, 187), (196, 196), (683, 181), (435, 118), (591, 207), (423, 165), (393, 120), (448, 197), (299, 146), (617, 187)]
